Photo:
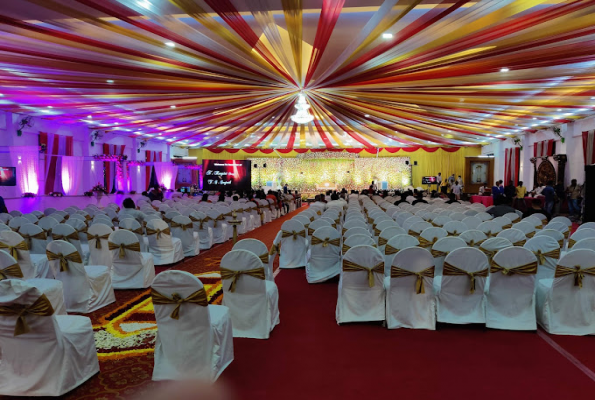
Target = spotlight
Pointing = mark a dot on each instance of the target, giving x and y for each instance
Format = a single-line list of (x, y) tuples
[(387, 36), (110, 81), (504, 69), (170, 44)]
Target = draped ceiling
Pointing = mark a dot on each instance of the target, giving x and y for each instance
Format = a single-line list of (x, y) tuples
[(226, 73)]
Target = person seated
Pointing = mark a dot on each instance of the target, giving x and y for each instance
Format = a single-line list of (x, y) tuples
[(403, 199), (536, 209), (235, 197), (503, 206), (420, 199), (483, 188), (335, 200), (452, 198), (129, 210), (221, 198)]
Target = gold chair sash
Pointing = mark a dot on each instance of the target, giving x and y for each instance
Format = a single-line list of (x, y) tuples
[(489, 253), (219, 218), (520, 243), (423, 242), (345, 248), (326, 241), (123, 247), (235, 275), (438, 253), (539, 227), (473, 243), (577, 271), (74, 257), (571, 242), (451, 270), (264, 258), (97, 239), (388, 250), (158, 232), (413, 233), (507, 226), (566, 234), (295, 234), (200, 221), (396, 272), (376, 232), (349, 266), (490, 234), (517, 219), (382, 241), (275, 248), (311, 231), (183, 226), (166, 220), (11, 270), (66, 238), (343, 231), (527, 269), (13, 250), (199, 298), (454, 233), (312, 219), (530, 234), (29, 238), (41, 307)]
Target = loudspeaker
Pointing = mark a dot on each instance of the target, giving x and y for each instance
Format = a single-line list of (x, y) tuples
[(406, 162), (264, 165), (589, 199), (414, 162), (255, 165)]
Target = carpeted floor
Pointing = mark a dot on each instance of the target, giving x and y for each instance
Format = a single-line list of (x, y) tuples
[(310, 356)]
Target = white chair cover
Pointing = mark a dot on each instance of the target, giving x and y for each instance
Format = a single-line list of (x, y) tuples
[(440, 250), (510, 292), (253, 303), (393, 246), (457, 304), (196, 345), (55, 356), (484, 216), (325, 257), (588, 243), (131, 224), (490, 228), (431, 235), (455, 228), (69, 234), (554, 234), (183, 229), (407, 304), (547, 251), (36, 245), (579, 235), (586, 225), (165, 248), (205, 233), (387, 233), (361, 293), (32, 265), (472, 222), (131, 269), (260, 249), (565, 303), (294, 248), (86, 288), (473, 237), (218, 226), (99, 254), (515, 236)]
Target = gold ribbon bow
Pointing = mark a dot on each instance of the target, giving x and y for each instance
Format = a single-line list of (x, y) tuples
[(264, 258), (74, 257), (123, 247), (561, 243), (29, 238), (376, 232), (396, 272), (349, 266), (199, 297), (343, 231), (473, 243), (423, 242), (382, 241), (312, 219), (219, 218), (489, 253), (183, 226), (490, 234), (319, 212), (275, 248), (451, 270), (579, 273), (13, 250), (438, 253), (311, 231), (200, 221), (235, 275), (413, 233), (388, 250), (538, 227), (454, 233), (97, 239), (345, 248), (12, 270), (41, 307), (66, 238), (295, 234), (566, 234), (520, 243), (326, 241), (158, 232), (527, 269)]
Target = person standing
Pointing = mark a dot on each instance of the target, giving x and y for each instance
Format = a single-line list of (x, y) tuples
[(438, 181), (451, 181), (549, 193), (521, 192), (496, 191), (3, 208), (574, 192), (285, 188), (510, 190), (456, 190)]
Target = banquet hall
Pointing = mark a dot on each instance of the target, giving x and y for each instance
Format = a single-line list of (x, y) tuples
[(241, 199)]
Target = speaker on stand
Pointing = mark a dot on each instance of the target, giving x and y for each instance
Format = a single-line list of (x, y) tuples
[(589, 199)]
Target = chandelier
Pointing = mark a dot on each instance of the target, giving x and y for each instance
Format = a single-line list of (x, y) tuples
[(302, 116)]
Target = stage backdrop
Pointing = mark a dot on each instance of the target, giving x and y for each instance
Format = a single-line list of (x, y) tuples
[(315, 171), (226, 175)]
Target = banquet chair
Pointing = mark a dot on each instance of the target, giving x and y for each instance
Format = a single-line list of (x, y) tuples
[(102, 220), (439, 251), (97, 237), (564, 220), (11, 269), (165, 248), (409, 222), (565, 303), (304, 220), (457, 216), (132, 269), (205, 233), (15, 213), (252, 300), (473, 237), (254, 213), (195, 339), (353, 223), (472, 222), (51, 354), (265, 211), (58, 216), (490, 228), (5, 217), (49, 211), (560, 227), (182, 228), (33, 265), (410, 299), (503, 222), (80, 227), (512, 217), (470, 213), (588, 243), (417, 228), (291, 243), (493, 245), (387, 233), (532, 219), (361, 286), (586, 225), (319, 223), (440, 220), (218, 226), (36, 238), (69, 234), (431, 235), (16, 223), (455, 228), (132, 225), (169, 215), (526, 227), (393, 246), (70, 210), (554, 234), (484, 216), (547, 251), (357, 240), (515, 236), (460, 297), (579, 235), (31, 218), (510, 292), (402, 217), (358, 230), (86, 288), (260, 249), (325, 255)]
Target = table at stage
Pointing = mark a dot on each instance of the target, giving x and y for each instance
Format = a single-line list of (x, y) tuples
[(485, 200)]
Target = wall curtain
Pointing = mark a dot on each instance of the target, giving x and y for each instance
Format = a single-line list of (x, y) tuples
[(166, 174), (72, 175), (545, 148), (512, 159), (589, 147), (114, 174), (55, 145), (151, 156), (26, 160)]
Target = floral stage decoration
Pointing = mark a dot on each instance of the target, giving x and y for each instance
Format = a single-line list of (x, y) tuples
[(349, 172), (130, 329)]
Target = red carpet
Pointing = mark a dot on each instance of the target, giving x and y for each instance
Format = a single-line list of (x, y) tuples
[(310, 357)]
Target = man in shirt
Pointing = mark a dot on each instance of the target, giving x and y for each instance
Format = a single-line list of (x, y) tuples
[(456, 190), (3, 208), (420, 199), (510, 190), (549, 193), (496, 191), (536, 209), (503, 206), (130, 210), (574, 192), (439, 180)]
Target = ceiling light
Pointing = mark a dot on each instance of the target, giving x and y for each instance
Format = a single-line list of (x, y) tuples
[(302, 116), (505, 69), (144, 4), (1, 95), (115, 123), (172, 106), (592, 98), (534, 125), (387, 36), (89, 117), (50, 107), (582, 110), (534, 118), (110, 81), (568, 113), (559, 109), (170, 44), (367, 115), (138, 133)]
